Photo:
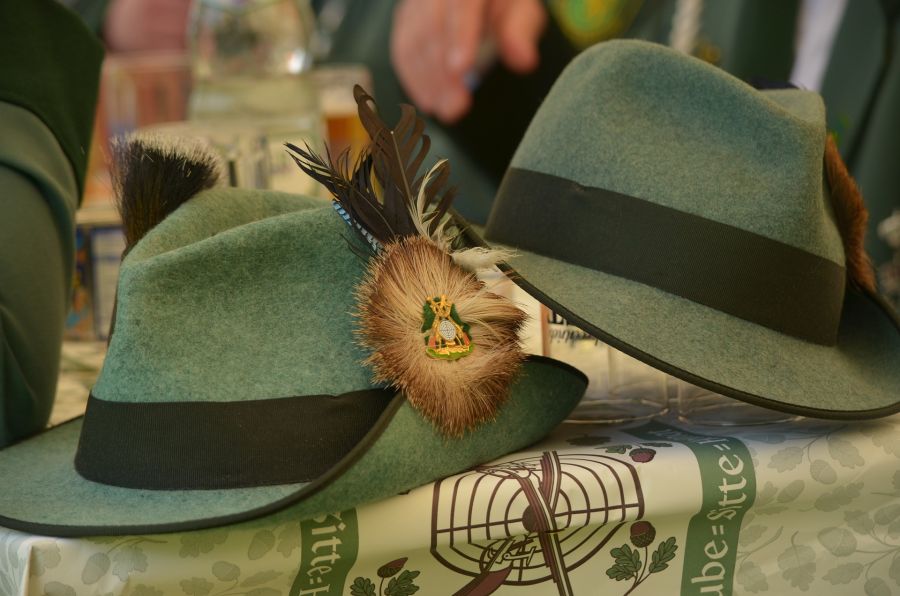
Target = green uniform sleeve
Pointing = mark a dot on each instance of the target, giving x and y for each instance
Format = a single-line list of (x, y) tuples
[(93, 12), (37, 209), (49, 68), (50, 65)]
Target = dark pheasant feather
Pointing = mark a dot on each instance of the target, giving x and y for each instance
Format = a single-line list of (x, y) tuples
[(380, 192), (384, 196)]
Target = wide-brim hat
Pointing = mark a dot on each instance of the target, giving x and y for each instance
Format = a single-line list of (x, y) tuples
[(703, 227), (234, 387)]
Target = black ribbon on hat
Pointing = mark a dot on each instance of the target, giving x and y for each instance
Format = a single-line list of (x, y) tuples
[(216, 445), (732, 270)]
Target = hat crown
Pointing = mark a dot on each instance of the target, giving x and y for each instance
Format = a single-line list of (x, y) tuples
[(645, 121), (236, 296)]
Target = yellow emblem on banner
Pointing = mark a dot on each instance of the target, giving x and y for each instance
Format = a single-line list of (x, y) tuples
[(446, 335)]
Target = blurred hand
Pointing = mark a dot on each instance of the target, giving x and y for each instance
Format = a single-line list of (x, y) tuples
[(146, 25), (435, 43)]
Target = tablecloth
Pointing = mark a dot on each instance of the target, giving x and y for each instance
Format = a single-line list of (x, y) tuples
[(650, 508)]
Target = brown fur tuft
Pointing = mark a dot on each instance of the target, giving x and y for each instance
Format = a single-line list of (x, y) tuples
[(454, 395), (852, 216)]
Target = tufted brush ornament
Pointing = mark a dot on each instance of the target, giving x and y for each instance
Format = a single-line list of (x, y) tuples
[(153, 175), (432, 329)]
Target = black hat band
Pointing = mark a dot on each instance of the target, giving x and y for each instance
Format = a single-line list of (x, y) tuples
[(216, 445), (732, 270)]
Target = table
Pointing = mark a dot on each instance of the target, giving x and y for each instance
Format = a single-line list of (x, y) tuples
[(649, 508)]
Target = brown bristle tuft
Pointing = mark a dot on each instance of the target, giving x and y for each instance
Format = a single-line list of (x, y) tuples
[(455, 395), (852, 216), (153, 175)]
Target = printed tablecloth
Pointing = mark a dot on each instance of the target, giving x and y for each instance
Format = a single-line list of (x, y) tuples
[(657, 508)]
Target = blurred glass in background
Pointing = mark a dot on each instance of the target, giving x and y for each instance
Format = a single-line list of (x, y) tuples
[(250, 61)]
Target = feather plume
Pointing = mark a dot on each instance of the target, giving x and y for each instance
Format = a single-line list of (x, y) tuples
[(153, 175), (383, 195), (851, 214), (355, 198), (431, 328), (455, 395)]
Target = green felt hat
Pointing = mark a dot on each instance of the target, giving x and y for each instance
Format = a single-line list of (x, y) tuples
[(233, 387), (685, 218)]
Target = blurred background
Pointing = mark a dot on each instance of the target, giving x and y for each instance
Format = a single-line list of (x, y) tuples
[(245, 76)]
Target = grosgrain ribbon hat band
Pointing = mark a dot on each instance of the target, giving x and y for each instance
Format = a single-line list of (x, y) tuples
[(737, 272), (213, 445)]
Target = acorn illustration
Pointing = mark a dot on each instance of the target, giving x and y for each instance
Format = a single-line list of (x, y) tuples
[(642, 533), (391, 569), (642, 455)]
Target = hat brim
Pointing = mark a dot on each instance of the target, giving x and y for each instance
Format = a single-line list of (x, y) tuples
[(858, 378), (401, 451)]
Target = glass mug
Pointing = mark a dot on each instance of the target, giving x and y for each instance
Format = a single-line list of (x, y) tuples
[(620, 388), (696, 405), (335, 86)]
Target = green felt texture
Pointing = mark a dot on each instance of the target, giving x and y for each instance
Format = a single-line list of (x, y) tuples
[(51, 66), (37, 229), (243, 295), (406, 454), (243, 312), (643, 120), (861, 373)]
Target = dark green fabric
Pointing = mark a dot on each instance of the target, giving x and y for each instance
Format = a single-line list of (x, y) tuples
[(37, 213), (92, 12), (646, 121), (49, 69), (50, 64), (245, 295), (862, 94), (32, 307)]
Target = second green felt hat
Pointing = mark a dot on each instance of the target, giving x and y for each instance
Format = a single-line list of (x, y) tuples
[(692, 221)]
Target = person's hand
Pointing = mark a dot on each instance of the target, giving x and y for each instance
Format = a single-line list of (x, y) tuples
[(146, 25), (435, 45)]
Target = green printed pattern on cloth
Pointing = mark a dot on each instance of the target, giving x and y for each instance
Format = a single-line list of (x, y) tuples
[(328, 548), (729, 489)]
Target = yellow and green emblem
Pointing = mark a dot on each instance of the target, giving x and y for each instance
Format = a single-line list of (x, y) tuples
[(446, 335)]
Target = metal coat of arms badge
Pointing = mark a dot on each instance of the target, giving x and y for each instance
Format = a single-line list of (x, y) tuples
[(446, 335)]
